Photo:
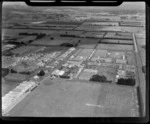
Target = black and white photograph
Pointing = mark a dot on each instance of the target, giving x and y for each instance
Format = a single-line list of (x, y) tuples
[(73, 61)]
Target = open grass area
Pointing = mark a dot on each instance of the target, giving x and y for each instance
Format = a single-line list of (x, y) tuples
[(131, 58), (109, 41), (131, 29), (73, 32), (99, 53), (118, 35), (125, 41), (52, 49), (7, 86), (141, 41), (62, 23), (93, 34), (75, 99), (25, 67), (26, 50), (89, 41), (87, 46), (117, 101), (108, 72), (87, 75), (116, 41), (85, 52), (56, 40), (8, 62), (15, 32), (115, 47), (101, 23), (16, 77), (98, 28), (116, 54)]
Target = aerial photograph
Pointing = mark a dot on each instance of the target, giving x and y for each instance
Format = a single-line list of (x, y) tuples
[(73, 61)]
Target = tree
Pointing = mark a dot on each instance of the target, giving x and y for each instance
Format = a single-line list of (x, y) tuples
[(5, 71), (144, 69), (52, 38), (41, 73), (13, 71), (66, 44), (98, 78), (30, 41), (129, 81)]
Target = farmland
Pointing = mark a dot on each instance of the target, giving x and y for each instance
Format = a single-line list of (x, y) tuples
[(80, 62), (50, 40), (115, 47)]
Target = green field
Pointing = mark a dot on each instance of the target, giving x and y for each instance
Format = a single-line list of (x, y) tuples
[(8, 62), (48, 41), (53, 49), (87, 46), (8, 86), (115, 47), (131, 58), (108, 72), (75, 99), (85, 52), (100, 53)]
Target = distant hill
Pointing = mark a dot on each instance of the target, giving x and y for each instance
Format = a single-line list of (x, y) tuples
[(125, 7), (16, 9)]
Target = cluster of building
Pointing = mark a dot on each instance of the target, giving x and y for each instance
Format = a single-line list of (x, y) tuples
[(40, 58), (111, 64), (117, 57), (73, 67), (24, 66), (50, 66), (13, 97), (31, 56), (125, 72), (47, 58), (67, 70)]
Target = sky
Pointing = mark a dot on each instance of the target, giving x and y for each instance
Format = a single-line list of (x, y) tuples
[(125, 5)]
